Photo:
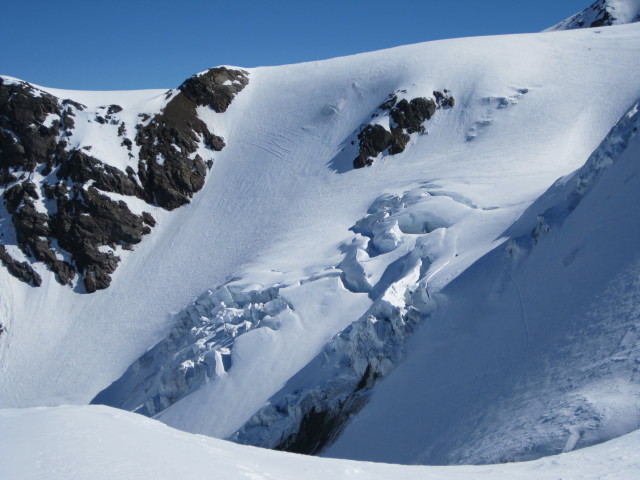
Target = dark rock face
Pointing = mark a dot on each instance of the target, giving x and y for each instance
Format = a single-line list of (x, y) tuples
[(373, 140), (21, 270), (81, 168), (24, 140), (171, 137), (216, 87), (67, 221), (89, 220), (405, 118), (410, 116)]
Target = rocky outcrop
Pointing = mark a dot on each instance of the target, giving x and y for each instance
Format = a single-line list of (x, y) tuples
[(21, 270), (25, 140), (405, 117), (171, 138), (67, 220), (215, 88), (89, 220)]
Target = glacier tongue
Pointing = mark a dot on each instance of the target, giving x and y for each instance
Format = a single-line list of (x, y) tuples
[(311, 410)]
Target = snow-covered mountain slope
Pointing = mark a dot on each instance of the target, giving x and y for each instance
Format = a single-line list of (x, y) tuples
[(420, 230), (602, 13), (69, 443), (534, 349), (286, 245)]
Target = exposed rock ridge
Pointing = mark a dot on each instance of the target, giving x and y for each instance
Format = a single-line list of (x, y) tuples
[(169, 167), (57, 196), (404, 117)]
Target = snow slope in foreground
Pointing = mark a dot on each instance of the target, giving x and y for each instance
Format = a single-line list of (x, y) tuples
[(68, 443)]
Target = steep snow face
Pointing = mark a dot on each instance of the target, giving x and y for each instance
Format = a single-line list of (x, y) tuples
[(76, 443), (602, 13), (284, 210), (534, 349), (384, 276)]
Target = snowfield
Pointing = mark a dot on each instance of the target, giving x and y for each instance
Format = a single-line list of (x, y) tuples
[(103, 443), (470, 300)]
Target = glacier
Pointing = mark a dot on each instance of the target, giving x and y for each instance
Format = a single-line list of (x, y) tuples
[(470, 298)]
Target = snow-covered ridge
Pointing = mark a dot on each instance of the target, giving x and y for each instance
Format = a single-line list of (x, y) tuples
[(76, 443), (567, 193), (602, 13)]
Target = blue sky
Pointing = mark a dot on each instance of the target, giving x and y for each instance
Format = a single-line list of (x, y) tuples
[(156, 44)]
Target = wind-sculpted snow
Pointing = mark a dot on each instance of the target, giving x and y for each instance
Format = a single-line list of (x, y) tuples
[(197, 349), (491, 104)]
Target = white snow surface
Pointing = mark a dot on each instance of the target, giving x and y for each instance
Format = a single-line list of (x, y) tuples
[(534, 349), (80, 442), (278, 204)]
